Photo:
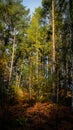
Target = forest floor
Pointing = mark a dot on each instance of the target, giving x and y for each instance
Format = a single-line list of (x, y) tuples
[(40, 116)]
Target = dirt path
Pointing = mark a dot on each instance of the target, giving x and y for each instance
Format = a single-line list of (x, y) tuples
[(41, 116)]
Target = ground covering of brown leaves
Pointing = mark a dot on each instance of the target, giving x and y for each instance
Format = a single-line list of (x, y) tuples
[(40, 116)]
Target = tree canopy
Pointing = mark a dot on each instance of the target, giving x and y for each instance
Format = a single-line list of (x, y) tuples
[(36, 53)]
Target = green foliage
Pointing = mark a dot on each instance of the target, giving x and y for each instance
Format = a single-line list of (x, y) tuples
[(32, 65), (17, 122), (15, 95), (21, 121)]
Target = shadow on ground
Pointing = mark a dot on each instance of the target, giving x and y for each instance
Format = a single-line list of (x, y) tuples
[(40, 116)]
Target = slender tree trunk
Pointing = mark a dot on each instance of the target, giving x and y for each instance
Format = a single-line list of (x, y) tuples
[(37, 60), (37, 65), (37, 82), (71, 42), (65, 78), (12, 60), (30, 78), (72, 80), (30, 86), (53, 46)]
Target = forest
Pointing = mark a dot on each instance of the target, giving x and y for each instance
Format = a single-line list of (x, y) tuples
[(36, 66)]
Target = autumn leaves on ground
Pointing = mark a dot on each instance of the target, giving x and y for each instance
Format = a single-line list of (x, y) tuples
[(39, 116)]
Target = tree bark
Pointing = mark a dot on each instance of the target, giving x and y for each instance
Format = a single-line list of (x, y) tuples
[(71, 42), (53, 47), (13, 50), (30, 77)]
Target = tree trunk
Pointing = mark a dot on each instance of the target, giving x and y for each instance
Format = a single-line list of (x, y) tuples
[(37, 61), (71, 42), (30, 77), (13, 50), (53, 47)]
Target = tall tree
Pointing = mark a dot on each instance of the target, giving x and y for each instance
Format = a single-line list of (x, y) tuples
[(13, 50), (14, 21), (71, 42), (53, 44)]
